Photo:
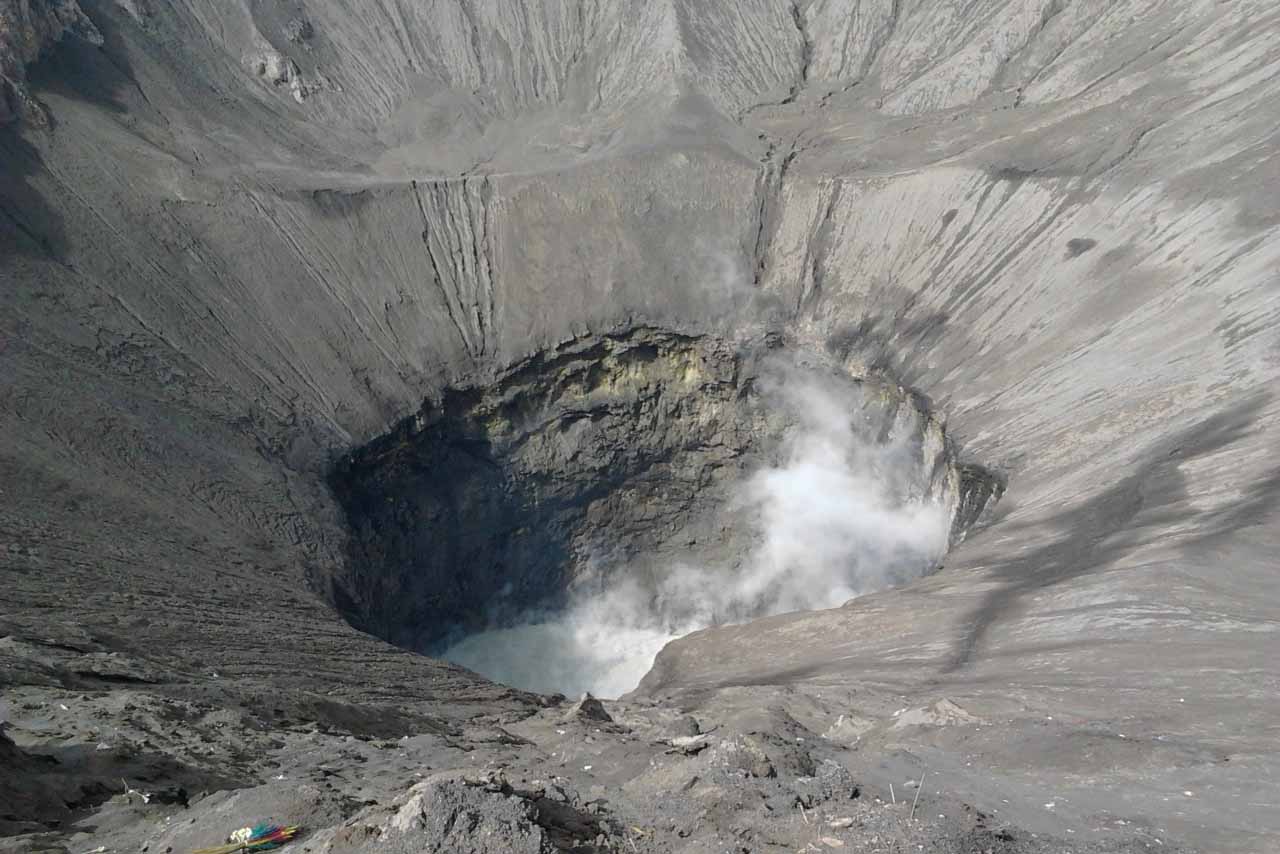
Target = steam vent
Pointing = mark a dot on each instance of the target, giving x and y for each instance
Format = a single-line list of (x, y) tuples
[(691, 426)]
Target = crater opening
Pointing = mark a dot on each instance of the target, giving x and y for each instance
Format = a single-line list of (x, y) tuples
[(554, 527)]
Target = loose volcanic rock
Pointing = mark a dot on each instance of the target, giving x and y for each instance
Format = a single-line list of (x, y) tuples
[(588, 708), (332, 333)]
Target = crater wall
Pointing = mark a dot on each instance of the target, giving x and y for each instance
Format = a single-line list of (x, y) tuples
[(252, 237)]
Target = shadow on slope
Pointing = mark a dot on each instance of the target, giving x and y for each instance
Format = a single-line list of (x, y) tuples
[(51, 788), (1113, 523), (77, 70)]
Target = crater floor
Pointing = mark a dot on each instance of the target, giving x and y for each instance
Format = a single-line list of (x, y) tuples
[(266, 265)]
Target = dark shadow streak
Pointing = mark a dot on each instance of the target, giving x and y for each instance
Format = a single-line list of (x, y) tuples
[(1106, 527), (30, 225)]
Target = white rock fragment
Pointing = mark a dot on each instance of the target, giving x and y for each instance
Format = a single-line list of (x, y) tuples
[(848, 729), (690, 744), (944, 712), (279, 70), (275, 67)]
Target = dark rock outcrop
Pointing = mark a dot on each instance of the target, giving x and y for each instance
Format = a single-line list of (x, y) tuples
[(28, 28)]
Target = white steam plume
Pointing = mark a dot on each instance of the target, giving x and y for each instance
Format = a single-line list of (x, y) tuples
[(835, 520)]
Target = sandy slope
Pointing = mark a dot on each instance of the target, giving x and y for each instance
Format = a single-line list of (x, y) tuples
[(253, 235)]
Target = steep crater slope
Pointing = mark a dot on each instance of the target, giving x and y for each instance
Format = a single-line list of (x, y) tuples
[(240, 239)]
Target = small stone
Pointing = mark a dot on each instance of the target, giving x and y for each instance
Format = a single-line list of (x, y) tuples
[(687, 726), (588, 709), (690, 744), (299, 30), (832, 842), (277, 68), (840, 823)]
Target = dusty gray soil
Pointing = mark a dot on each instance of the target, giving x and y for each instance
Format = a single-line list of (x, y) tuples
[(245, 242)]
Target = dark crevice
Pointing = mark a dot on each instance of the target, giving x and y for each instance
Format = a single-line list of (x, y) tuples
[(806, 54)]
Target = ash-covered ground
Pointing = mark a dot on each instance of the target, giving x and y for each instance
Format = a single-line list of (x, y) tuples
[(334, 333)]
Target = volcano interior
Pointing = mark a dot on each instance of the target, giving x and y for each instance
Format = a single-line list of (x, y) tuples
[(618, 491), (243, 241)]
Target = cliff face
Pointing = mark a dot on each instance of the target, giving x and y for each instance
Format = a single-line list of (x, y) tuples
[(28, 28), (252, 237)]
